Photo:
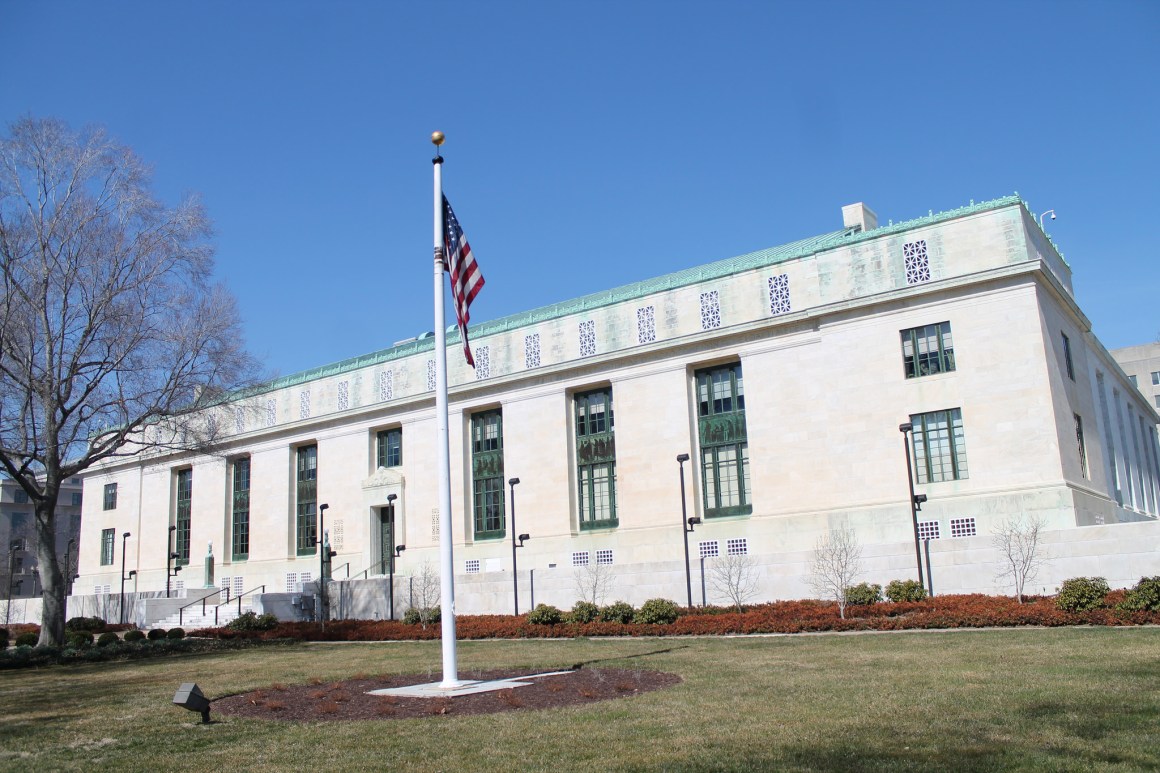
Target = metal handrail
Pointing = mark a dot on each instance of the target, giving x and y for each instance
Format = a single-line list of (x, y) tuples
[(345, 566), (381, 563), (237, 598), (181, 610)]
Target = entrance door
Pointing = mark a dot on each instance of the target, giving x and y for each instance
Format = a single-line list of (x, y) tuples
[(386, 538)]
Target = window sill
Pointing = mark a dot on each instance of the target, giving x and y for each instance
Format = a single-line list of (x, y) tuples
[(484, 536), (608, 525), (730, 512)]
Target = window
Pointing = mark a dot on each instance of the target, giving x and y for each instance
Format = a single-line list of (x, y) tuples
[(928, 530), (710, 310), (1133, 380), (1067, 357), (709, 549), (182, 516), (1082, 448), (472, 566), (928, 350), (724, 445), (580, 558), (646, 325), (1156, 378), (604, 557), (389, 443), (107, 537), (917, 262), (737, 547), (595, 459), (587, 338), (779, 295), (20, 496), (487, 474), (343, 395), (482, 362), (241, 510), (305, 518), (962, 527), (110, 496), (1157, 398), (77, 498), (940, 448), (292, 582), (532, 351)]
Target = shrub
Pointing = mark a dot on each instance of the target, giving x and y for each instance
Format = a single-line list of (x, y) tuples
[(619, 612), (415, 616), (175, 633), (1079, 594), (156, 633), (1145, 596), (863, 594), (584, 612), (27, 639), (905, 590), (251, 621), (79, 639), (657, 612), (107, 638), (93, 624), (3, 638), (134, 636), (545, 614)]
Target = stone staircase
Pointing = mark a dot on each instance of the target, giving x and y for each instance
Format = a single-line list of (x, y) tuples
[(192, 618)]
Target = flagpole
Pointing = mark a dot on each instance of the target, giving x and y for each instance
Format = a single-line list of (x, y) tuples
[(446, 565)]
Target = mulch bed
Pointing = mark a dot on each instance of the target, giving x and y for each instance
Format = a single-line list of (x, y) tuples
[(348, 700)]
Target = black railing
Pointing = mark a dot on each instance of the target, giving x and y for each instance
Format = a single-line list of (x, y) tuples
[(237, 598), (181, 610)]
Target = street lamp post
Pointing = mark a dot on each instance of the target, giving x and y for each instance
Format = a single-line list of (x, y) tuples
[(121, 616), (915, 501), (515, 576), (68, 573), (170, 555), (687, 525), (391, 557), (398, 554), (13, 546)]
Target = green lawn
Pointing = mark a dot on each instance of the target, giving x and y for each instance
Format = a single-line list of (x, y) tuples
[(1056, 699)]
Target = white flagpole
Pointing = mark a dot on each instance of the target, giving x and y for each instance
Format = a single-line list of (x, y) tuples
[(446, 565)]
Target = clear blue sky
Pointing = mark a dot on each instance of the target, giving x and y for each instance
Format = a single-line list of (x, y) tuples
[(591, 144)]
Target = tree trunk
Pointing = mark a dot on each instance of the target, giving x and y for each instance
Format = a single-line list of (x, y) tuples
[(52, 582)]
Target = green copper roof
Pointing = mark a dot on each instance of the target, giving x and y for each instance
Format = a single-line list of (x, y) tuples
[(721, 268)]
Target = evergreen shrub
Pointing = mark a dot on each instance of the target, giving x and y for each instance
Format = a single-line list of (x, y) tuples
[(93, 624), (583, 612), (175, 633), (251, 621), (863, 594), (905, 590), (1144, 597), (79, 639), (156, 633), (1079, 594), (618, 612), (657, 612), (132, 636), (27, 639), (107, 638), (545, 614)]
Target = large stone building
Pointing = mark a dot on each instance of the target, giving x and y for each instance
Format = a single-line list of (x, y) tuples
[(19, 565), (1142, 364), (784, 374)]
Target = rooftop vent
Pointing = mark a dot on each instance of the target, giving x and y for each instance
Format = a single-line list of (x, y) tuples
[(859, 217)]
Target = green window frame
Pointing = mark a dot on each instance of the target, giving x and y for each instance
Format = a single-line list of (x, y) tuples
[(1083, 468), (928, 350), (1067, 356), (596, 459), (487, 474), (183, 514), (240, 531), (306, 500), (389, 447), (725, 481), (939, 445), (107, 545), (110, 496)]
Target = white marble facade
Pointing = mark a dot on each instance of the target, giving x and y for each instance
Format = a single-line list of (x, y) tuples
[(815, 326)]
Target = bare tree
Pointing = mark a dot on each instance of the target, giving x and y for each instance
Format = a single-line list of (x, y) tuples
[(837, 561), (427, 590), (1020, 553), (735, 578), (593, 581), (111, 324)]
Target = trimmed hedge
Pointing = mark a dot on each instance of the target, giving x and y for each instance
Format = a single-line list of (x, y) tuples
[(1080, 594), (905, 590)]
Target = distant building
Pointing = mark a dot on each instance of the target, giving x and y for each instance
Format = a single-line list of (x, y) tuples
[(18, 534), (1142, 364), (783, 374)]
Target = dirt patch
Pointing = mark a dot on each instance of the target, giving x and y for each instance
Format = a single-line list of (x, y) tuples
[(348, 700)]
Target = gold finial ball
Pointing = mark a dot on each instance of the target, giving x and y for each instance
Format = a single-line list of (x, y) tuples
[(436, 138)]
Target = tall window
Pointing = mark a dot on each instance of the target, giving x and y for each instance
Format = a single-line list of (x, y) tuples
[(487, 474), (241, 526), (927, 350), (596, 459), (20, 496), (724, 444), (1156, 378), (306, 521), (1067, 357), (107, 537), (184, 506), (389, 444), (110, 496), (1082, 448), (940, 448)]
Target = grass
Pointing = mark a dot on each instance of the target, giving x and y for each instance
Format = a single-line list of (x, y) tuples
[(1042, 699)]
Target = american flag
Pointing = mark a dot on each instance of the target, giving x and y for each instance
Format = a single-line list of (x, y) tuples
[(466, 279)]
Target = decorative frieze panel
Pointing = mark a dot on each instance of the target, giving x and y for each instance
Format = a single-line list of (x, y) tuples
[(587, 338), (386, 385), (343, 395), (779, 295), (532, 351), (482, 362), (710, 310), (917, 262), (646, 325)]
